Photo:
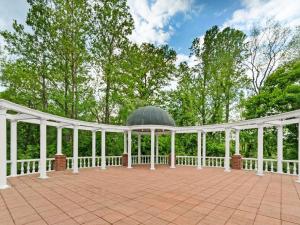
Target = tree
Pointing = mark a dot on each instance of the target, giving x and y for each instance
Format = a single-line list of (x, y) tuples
[(267, 47), (220, 73), (143, 73), (111, 25)]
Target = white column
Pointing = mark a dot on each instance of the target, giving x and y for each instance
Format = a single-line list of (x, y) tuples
[(129, 150), (13, 148), (125, 143), (75, 149), (260, 150), (152, 149), (103, 158), (298, 180), (43, 149), (172, 149), (59, 139), (156, 147), (93, 148), (199, 166), (227, 150), (204, 149), (3, 159), (139, 148), (237, 141), (279, 148)]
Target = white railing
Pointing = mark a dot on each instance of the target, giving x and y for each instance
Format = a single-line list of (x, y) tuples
[(27, 166), (162, 159), (270, 165), (145, 159), (183, 160), (290, 167), (249, 163), (86, 161), (215, 161)]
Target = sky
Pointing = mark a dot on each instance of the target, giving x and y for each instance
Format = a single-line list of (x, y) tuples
[(178, 22)]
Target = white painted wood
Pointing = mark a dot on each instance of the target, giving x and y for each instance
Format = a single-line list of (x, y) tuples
[(237, 142), (199, 166), (129, 150), (260, 150), (172, 149), (3, 154), (13, 148), (152, 149), (93, 148), (139, 149), (298, 180), (103, 158), (279, 148), (75, 149), (227, 150), (59, 141), (156, 148), (125, 143), (204, 149), (43, 150)]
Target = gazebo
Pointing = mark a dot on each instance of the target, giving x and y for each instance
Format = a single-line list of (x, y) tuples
[(145, 120)]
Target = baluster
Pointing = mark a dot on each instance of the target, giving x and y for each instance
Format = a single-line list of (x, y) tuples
[(22, 168), (28, 168), (50, 165), (272, 168), (33, 167), (256, 165), (288, 168), (246, 164), (251, 164), (84, 162), (266, 166), (294, 169), (68, 164)]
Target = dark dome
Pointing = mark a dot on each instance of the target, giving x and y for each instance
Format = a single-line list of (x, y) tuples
[(150, 115)]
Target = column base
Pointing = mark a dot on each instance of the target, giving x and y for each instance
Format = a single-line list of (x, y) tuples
[(199, 168), (129, 167), (43, 177), (236, 162), (298, 181), (152, 168), (60, 163), (125, 160), (172, 167), (260, 174), (227, 170), (4, 187)]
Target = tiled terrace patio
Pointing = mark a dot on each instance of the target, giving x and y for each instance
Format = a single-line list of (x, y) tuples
[(181, 196)]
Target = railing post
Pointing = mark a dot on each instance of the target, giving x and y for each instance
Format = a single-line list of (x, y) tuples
[(93, 148), (260, 150), (156, 147), (3, 156), (103, 158), (199, 166), (204, 149), (129, 150), (75, 149), (298, 180), (152, 149), (279, 148), (139, 148), (227, 150), (172, 149), (13, 148), (43, 149)]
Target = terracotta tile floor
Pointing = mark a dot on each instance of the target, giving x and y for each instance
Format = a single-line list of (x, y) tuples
[(179, 196)]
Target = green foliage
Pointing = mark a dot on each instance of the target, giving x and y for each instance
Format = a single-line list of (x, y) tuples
[(73, 58)]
